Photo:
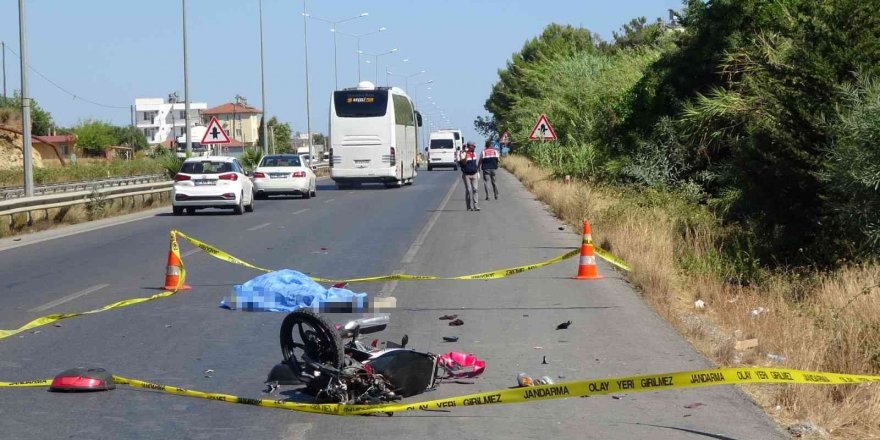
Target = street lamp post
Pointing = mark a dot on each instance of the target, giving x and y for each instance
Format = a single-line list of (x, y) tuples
[(376, 59), (407, 77), (308, 103), (186, 86), (263, 86), (25, 106), (335, 23), (357, 38)]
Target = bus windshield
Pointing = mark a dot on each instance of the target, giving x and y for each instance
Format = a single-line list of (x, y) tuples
[(360, 103), (441, 144)]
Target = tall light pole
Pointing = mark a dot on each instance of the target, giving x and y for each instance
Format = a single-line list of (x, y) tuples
[(186, 86), (3, 49), (335, 23), (263, 86), (357, 38), (376, 59), (308, 102), (25, 106)]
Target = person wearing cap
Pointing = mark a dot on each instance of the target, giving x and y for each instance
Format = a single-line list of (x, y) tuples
[(470, 173), (488, 164)]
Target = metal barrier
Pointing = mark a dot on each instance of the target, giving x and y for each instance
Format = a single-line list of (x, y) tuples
[(8, 193)]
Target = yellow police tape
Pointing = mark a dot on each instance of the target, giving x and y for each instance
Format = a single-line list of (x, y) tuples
[(563, 390), (49, 319), (494, 274), (225, 256)]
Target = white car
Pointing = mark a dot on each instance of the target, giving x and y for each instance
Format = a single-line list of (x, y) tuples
[(284, 174), (212, 182)]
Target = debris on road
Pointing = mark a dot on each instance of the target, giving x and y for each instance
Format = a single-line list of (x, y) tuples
[(208, 372), (58, 325), (167, 325), (694, 405), (450, 317), (616, 397), (757, 312), (524, 380), (563, 326), (544, 380), (450, 339), (456, 323), (544, 361), (537, 347)]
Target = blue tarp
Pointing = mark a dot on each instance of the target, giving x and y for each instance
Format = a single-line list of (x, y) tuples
[(287, 290)]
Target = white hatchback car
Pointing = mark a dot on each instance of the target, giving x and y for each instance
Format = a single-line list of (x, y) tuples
[(284, 174), (212, 182)]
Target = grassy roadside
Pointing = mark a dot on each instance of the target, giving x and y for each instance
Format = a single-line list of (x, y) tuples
[(814, 321), (85, 170)]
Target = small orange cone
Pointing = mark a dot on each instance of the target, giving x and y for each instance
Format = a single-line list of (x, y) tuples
[(174, 270), (587, 267)]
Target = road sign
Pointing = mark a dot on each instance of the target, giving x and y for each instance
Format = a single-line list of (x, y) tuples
[(215, 133), (542, 131), (505, 138)]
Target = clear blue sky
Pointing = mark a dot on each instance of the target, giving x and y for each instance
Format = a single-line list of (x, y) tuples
[(113, 51)]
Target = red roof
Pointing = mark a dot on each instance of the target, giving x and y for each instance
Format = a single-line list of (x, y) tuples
[(60, 139), (230, 108)]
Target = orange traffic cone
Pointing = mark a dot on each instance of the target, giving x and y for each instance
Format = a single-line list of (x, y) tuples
[(587, 267), (174, 270)]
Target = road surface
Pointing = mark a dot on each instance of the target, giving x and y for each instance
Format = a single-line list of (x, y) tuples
[(422, 229)]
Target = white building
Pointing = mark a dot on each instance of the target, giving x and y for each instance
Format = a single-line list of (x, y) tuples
[(161, 121)]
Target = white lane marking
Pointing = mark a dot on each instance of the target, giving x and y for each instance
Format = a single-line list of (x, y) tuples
[(329, 200), (190, 252), (259, 227), (67, 298), (389, 287), (420, 239), (301, 211)]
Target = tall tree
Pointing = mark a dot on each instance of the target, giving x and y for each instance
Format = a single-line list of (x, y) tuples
[(95, 136)]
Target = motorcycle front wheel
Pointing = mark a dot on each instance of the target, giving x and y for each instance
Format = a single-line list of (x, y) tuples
[(306, 335)]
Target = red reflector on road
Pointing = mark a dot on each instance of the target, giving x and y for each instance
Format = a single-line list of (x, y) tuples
[(83, 379)]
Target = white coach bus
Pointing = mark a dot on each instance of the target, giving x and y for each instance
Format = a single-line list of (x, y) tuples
[(373, 136)]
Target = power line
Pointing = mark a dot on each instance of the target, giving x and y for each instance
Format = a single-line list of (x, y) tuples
[(73, 95)]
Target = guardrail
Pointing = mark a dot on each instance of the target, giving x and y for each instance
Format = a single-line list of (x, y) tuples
[(60, 200), (8, 193)]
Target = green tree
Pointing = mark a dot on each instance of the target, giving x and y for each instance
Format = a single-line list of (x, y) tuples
[(131, 136), (95, 136), (41, 120), (281, 132)]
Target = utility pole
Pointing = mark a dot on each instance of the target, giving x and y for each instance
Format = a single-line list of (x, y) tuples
[(25, 106), (3, 43), (263, 86), (308, 102), (186, 86)]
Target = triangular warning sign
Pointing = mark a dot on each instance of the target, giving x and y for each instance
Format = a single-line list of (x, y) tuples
[(215, 134), (542, 131)]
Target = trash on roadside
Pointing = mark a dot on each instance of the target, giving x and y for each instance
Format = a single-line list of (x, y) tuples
[(456, 323), (449, 317), (775, 357), (524, 380), (538, 347), (58, 325), (745, 345), (700, 304), (616, 397), (287, 290), (167, 325), (694, 405), (450, 338), (544, 361), (757, 312), (563, 326), (544, 380), (34, 332), (806, 430), (208, 372)]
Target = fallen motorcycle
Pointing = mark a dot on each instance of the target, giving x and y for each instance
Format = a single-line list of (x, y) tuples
[(354, 373)]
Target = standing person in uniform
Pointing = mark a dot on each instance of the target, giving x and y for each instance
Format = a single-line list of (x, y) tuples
[(470, 173), (488, 164)]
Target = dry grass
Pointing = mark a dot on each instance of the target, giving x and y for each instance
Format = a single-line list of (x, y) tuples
[(822, 321)]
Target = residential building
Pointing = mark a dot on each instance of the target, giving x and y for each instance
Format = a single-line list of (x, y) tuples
[(241, 121), (161, 121), (46, 145)]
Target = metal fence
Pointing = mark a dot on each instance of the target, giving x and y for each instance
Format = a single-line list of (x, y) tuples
[(8, 193)]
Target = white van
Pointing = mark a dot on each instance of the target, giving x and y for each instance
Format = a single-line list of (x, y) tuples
[(459, 138), (373, 136), (442, 151)]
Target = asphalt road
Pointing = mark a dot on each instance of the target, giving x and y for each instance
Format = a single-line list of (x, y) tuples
[(420, 229)]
